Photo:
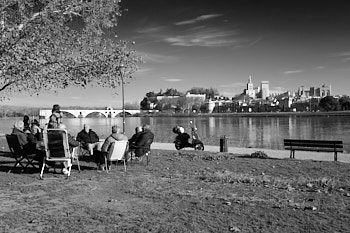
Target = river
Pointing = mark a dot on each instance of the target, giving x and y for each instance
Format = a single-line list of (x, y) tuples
[(242, 131)]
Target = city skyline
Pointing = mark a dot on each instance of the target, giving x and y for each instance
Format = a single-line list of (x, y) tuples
[(195, 43)]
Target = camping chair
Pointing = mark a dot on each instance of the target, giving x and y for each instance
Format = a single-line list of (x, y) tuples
[(117, 152), (81, 151), (19, 154), (57, 149), (146, 151)]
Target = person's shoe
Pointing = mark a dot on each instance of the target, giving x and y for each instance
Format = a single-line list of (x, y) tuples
[(127, 157), (65, 171)]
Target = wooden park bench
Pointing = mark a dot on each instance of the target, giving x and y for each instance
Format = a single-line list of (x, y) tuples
[(313, 145)]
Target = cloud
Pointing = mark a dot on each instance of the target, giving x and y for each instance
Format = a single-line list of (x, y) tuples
[(198, 19), (206, 37), (150, 30), (293, 71), (344, 55), (234, 85), (144, 70), (319, 67), (341, 54), (172, 80), (159, 58)]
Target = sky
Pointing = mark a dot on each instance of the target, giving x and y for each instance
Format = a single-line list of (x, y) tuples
[(219, 44)]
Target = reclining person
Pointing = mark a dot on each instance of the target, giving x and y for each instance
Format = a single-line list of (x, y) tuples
[(88, 139), (182, 137)]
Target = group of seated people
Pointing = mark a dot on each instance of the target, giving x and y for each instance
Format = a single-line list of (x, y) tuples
[(90, 141), (30, 136)]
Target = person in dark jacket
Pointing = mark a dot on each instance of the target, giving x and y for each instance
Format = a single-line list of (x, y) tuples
[(133, 139), (26, 139), (88, 138), (143, 141), (55, 118)]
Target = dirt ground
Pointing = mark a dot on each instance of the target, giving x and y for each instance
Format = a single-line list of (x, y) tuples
[(180, 191)]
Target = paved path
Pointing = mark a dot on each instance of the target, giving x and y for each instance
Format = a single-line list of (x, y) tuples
[(321, 156)]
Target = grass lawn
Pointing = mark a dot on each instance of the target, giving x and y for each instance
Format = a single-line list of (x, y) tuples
[(180, 191)]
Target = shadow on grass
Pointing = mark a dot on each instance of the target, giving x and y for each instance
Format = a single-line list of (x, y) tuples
[(247, 156)]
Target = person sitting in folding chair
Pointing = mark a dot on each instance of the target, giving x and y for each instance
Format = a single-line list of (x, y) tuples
[(141, 145), (72, 143), (133, 139), (116, 135), (28, 141), (88, 139)]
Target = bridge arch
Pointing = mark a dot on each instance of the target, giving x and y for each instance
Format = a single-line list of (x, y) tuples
[(45, 113), (98, 112)]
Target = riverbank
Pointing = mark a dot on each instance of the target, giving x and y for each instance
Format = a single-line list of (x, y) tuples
[(180, 191), (277, 154), (245, 114)]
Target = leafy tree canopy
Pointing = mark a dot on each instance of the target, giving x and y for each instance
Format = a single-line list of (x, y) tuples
[(209, 92), (172, 92), (329, 103), (54, 44)]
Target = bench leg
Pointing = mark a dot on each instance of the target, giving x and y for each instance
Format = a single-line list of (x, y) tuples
[(292, 154), (335, 156)]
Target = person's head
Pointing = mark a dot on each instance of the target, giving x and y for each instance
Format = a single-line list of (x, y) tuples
[(62, 126), (181, 129), (35, 122), (19, 125), (55, 108), (146, 127), (87, 128), (138, 129), (115, 129), (25, 118)]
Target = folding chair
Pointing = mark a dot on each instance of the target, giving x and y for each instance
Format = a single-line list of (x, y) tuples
[(19, 154), (57, 149), (145, 149), (117, 152)]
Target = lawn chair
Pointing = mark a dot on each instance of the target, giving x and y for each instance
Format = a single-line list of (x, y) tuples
[(57, 149), (117, 152), (19, 154), (145, 149)]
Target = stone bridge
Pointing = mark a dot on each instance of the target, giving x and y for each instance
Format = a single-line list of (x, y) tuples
[(109, 113)]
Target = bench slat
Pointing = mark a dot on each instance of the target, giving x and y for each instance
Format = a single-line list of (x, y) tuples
[(300, 144), (314, 141), (314, 149)]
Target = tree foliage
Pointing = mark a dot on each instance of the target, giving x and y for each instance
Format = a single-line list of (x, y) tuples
[(172, 92), (209, 92), (344, 102), (329, 103), (54, 44)]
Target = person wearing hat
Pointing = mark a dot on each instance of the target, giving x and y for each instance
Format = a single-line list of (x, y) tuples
[(36, 130), (55, 118)]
